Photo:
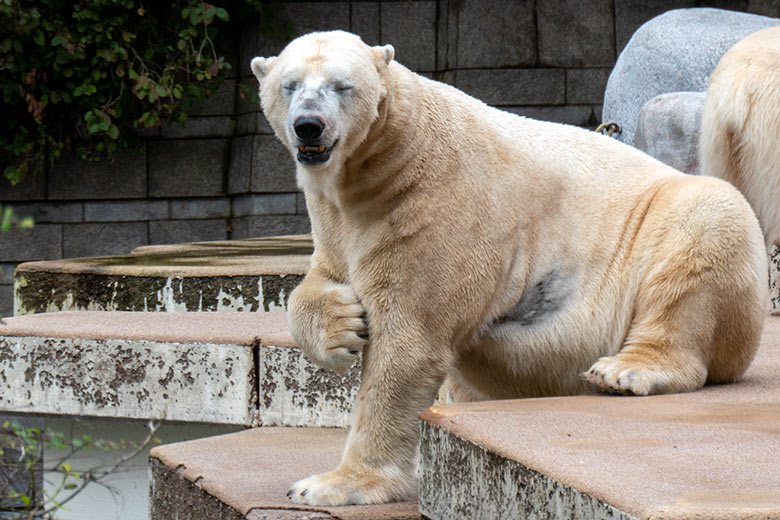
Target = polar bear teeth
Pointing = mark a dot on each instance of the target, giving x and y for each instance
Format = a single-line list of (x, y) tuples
[(304, 148)]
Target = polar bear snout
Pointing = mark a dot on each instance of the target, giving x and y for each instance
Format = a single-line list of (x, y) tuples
[(308, 128), (310, 132)]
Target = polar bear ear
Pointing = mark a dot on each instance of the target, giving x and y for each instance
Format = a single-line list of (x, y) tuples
[(384, 54), (260, 67)]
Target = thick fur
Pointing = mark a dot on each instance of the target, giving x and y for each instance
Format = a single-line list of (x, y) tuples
[(740, 134), (515, 257)]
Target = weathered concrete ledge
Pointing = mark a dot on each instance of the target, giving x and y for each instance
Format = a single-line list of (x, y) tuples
[(708, 454), (246, 476), (230, 368), (239, 275)]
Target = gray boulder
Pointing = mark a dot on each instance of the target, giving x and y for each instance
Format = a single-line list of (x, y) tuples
[(673, 52), (668, 129)]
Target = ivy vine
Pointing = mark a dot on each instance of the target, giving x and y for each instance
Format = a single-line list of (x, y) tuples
[(86, 75)]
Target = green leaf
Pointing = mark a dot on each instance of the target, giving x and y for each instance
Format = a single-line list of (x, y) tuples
[(70, 485), (113, 132), (222, 14)]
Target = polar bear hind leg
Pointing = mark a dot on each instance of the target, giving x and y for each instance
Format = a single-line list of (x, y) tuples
[(700, 306)]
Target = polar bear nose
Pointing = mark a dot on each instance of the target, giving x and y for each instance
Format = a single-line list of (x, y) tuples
[(308, 128)]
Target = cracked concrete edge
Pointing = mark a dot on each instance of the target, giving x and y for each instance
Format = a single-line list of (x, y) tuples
[(69, 363), (295, 392), (459, 479), (129, 379)]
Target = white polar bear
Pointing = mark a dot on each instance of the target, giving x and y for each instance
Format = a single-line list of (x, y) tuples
[(514, 257), (740, 130)]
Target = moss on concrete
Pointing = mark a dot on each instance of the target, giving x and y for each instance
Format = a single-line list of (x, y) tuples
[(40, 291)]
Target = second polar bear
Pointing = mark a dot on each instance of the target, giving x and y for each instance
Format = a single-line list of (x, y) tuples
[(740, 132), (514, 257), (740, 129)]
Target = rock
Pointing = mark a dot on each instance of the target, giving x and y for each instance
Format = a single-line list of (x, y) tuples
[(673, 52), (668, 129)]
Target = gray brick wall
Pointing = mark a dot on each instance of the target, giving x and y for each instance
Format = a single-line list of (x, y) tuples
[(6, 288), (223, 175)]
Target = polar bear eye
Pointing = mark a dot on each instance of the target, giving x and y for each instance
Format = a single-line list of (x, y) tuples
[(342, 88), (290, 86)]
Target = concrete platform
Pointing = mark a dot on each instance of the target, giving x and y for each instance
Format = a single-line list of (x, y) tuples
[(235, 275), (711, 454), (246, 476), (223, 368)]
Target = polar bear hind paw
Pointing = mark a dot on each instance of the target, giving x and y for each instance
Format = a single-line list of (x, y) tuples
[(616, 375)]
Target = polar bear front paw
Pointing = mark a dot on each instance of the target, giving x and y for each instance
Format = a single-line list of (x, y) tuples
[(345, 332), (343, 487)]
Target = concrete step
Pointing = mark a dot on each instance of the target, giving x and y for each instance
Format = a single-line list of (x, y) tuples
[(712, 454), (246, 476), (213, 367), (236, 275)]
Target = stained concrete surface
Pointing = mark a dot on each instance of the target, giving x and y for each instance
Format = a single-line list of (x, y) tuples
[(247, 474), (710, 454), (235, 275), (228, 368)]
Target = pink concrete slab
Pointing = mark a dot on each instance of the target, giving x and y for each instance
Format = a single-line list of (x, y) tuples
[(239, 328), (253, 257), (251, 471), (175, 266), (710, 454), (286, 244)]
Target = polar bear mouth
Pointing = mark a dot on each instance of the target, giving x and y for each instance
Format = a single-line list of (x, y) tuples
[(314, 154)]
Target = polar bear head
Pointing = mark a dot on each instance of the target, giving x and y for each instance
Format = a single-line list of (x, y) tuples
[(322, 93)]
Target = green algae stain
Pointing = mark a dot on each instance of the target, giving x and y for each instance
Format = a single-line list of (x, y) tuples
[(44, 292)]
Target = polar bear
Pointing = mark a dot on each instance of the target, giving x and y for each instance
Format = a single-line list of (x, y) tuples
[(513, 257), (740, 130)]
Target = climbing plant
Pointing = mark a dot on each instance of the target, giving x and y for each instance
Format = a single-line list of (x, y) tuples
[(21, 457), (86, 75)]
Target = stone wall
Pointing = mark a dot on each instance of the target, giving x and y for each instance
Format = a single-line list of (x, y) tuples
[(225, 176)]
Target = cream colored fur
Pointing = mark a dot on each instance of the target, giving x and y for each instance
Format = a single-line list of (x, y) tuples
[(740, 134), (515, 257)]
